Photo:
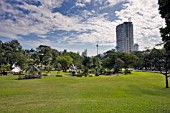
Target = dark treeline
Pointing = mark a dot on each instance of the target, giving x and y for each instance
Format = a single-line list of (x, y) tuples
[(109, 62)]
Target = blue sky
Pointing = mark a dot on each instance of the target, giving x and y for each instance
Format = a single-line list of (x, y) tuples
[(77, 25)]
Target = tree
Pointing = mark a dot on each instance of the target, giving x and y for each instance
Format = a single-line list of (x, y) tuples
[(76, 59), (45, 54), (65, 62), (163, 64), (109, 59), (21, 60), (15, 45), (54, 55), (140, 60), (147, 58), (128, 59), (156, 55), (118, 65), (87, 65), (164, 10), (166, 66), (97, 65), (11, 52)]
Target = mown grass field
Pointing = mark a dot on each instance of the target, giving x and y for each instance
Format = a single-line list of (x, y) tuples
[(139, 92)]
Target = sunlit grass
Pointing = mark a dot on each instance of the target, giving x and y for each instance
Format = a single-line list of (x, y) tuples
[(139, 92)]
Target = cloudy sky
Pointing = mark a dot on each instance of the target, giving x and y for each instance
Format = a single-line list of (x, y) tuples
[(77, 25)]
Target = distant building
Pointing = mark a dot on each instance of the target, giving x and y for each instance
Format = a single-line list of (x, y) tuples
[(124, 37), (84, 54), (78, 53), (136, 47)]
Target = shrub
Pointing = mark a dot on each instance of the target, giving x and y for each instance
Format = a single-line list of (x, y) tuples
[(127, 72), (80, 75), (45, 74), (59, 76)]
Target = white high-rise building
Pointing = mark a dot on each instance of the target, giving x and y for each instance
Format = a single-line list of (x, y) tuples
[(124, 37)]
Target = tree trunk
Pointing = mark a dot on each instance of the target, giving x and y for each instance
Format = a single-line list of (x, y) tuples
[(166, 72), (166, 79)]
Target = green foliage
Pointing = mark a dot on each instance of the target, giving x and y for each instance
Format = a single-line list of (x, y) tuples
[(77, 59), (140, 59), (45, 53), (164, 10), (118, 65), (128, 59), (59, 76), (64, 61), (5, 67), (21, 60), (58, 66), (87, 63), (48, 68), (109, 59), (11, 52)]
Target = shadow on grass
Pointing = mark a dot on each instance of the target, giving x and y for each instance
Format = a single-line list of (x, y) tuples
[(23, 78)]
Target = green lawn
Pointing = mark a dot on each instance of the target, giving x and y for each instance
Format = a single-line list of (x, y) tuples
[(139, 92)]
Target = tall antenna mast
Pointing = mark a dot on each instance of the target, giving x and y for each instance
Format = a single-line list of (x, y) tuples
[(97, 47), (129, 19)]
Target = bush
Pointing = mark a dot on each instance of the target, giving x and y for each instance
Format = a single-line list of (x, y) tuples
[(30, 77), (93, 71), (79, 75), (45, 74), (127, 72), (91, 75), (59, 76)]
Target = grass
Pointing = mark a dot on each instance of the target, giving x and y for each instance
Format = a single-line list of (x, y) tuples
[(140, 92), (54, 73)]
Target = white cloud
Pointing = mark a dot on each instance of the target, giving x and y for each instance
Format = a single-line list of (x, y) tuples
[(114, 2), (79, 4), (7, 8), (87, 1), (41, 20), (146, 20), (36, 43), (50, 4)]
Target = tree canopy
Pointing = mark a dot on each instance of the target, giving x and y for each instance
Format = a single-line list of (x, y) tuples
[(164, 10), (64, 61)]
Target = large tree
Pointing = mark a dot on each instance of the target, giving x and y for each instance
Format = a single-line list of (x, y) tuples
[(140, 60), (45, 55), (77, 59), (87, 62), (64, 61), (164, 65), (128, 59), (109, 59), (164, 10), (11, 52)]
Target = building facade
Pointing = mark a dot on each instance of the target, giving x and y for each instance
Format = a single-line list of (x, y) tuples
[(124, 37), (136, 47), (84, 54)]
